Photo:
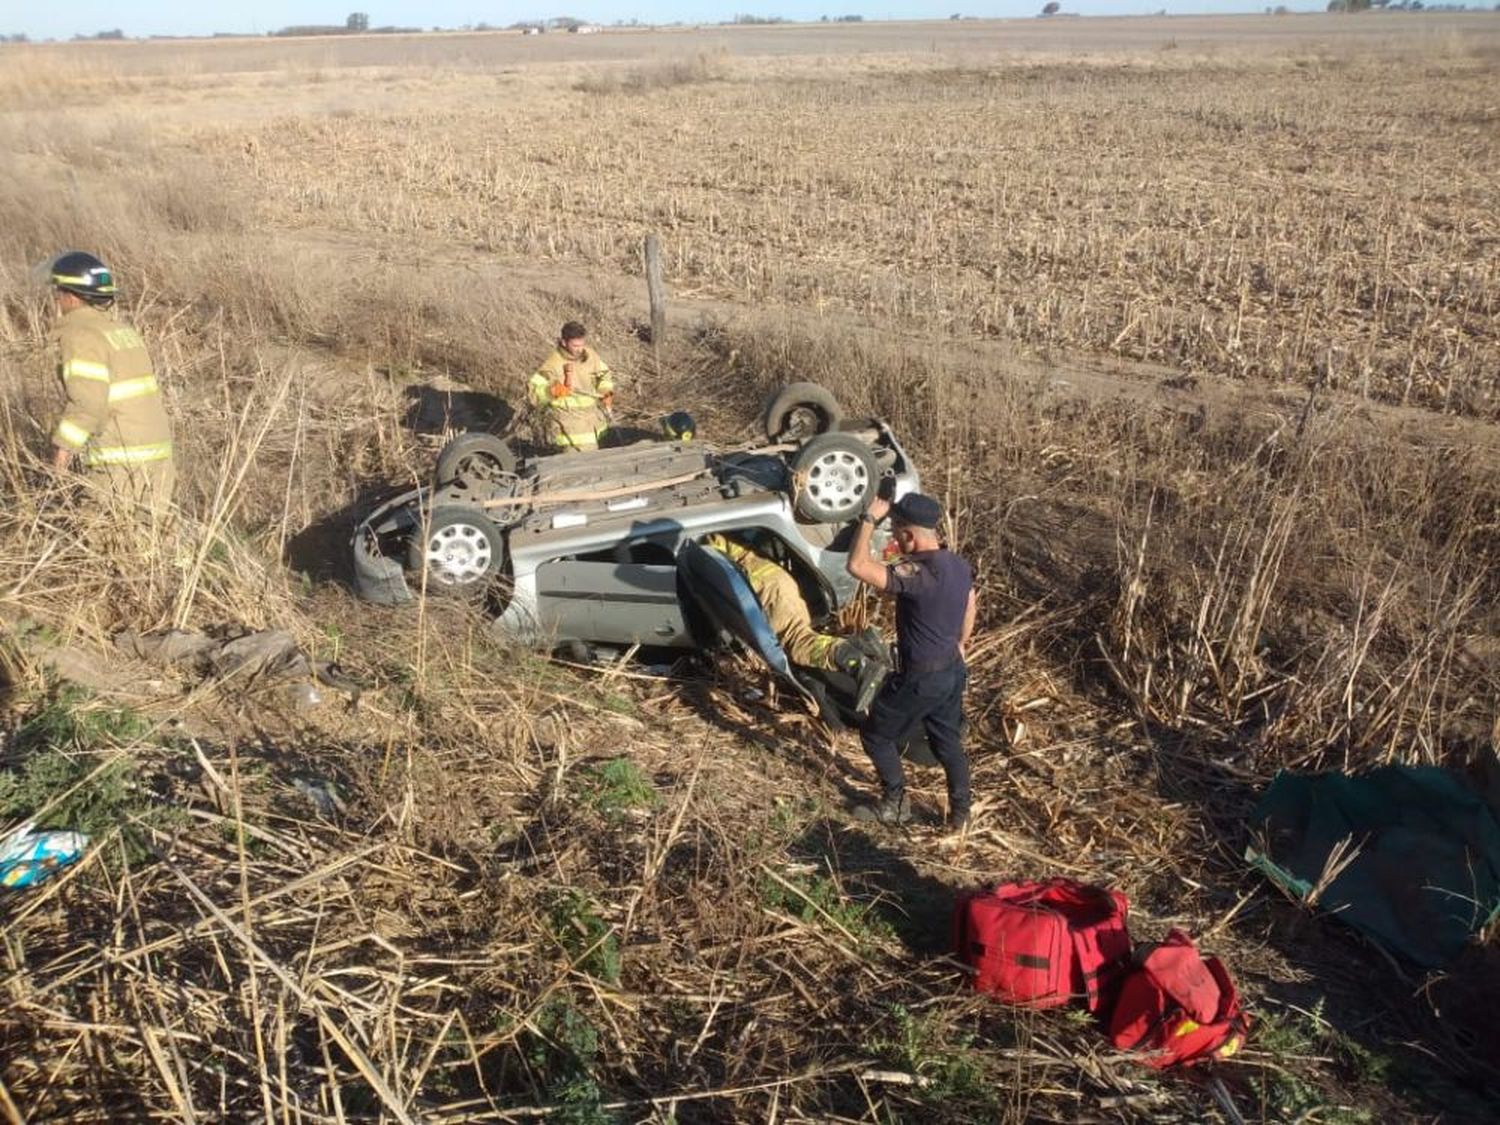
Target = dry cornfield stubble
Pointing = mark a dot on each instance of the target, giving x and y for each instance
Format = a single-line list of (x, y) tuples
[(1192, 324)]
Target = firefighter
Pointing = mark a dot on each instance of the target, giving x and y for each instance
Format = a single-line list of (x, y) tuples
[(935, 610), (114, 420), (575, 390), (786, 610)]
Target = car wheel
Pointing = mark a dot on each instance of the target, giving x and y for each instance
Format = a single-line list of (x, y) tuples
[(836, 478), (461, 548), (475, 455), (799, 411)]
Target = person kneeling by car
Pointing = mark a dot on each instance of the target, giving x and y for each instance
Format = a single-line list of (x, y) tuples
[(786, 610), (935, 609), (575, 391)]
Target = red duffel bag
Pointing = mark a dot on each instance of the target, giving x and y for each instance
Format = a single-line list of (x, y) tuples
[(1043, 944), (1177, 1007)]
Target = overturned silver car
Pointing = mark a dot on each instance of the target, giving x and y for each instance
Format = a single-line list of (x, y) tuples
[(603, 549)]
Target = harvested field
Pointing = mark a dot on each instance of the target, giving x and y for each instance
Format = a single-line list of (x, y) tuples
[(1192, 325)]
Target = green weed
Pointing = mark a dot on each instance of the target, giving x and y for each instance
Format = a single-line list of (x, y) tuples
[(818, 901), (69, 721), (58, 749), (789, 817), (619, 704), (616, 786), (255, 847), (587, 938), (565, 1050), (110, 799), (951, 1070), (1289, 1096)]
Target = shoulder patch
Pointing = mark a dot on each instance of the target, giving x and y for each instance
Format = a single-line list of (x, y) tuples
[(906, 569)]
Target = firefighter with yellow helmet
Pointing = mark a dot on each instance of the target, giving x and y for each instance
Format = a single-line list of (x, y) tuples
[(575, 390), (114, 421)]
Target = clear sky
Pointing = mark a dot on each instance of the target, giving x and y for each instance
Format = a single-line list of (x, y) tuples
[(62, 19)]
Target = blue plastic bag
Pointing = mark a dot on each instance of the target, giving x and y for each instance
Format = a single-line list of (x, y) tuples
[(29, 857)]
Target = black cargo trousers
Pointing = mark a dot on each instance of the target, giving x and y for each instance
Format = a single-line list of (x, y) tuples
[(934, 699)]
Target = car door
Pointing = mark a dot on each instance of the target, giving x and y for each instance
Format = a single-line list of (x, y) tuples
[(718, 601), (630, 598)]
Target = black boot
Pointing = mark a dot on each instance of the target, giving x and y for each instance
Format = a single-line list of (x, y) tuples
[(958, 813), (893, 809), (868, 673), (872, 643)]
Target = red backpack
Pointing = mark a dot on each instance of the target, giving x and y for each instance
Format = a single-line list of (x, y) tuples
[(1177, 1006), (1043, 944)]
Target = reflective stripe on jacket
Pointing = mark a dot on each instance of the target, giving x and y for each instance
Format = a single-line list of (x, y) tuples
[(578, 415)]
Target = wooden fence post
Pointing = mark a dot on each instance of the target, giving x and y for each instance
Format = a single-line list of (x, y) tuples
[(656, 292)]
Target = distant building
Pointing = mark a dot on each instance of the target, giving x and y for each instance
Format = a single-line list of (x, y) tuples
[(583, 29)]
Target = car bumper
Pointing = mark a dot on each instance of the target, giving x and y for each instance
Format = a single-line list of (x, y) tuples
[(378, 577)]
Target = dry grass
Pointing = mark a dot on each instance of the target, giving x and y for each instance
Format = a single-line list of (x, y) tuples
[(1183, 589), (705, 66)]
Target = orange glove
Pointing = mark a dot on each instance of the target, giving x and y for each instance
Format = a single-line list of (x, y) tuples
[(559, 390), (608, 400)]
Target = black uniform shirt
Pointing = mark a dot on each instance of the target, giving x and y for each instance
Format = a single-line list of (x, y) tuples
[(932, 594)]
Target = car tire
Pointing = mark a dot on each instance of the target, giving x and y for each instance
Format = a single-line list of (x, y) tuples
[(476, 453), (836, 478), (462, 550), (799, 411)]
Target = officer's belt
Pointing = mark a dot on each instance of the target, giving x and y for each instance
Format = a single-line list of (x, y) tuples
[(928, 668)]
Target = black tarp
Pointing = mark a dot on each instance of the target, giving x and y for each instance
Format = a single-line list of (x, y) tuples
[(1426, 874)]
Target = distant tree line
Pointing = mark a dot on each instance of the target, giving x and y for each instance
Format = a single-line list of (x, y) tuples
[(336, 29), (358, 23), (1401, 6)]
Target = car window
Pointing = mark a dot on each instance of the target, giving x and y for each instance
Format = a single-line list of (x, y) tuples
[(643, 552)]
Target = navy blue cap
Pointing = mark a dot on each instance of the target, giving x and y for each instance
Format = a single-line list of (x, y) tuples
[(916, 510)]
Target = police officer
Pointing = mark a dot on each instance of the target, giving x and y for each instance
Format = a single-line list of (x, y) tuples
[(575, 389), (114, 420), (935, 607)]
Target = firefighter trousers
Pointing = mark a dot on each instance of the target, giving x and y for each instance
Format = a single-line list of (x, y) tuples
[(786, 610)]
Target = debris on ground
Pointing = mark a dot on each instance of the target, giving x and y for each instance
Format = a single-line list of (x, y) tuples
[(264, 655), (322, 793), (29, 857)]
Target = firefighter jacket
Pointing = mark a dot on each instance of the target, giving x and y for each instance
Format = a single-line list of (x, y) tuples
[(114, 418), (577, 416)]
